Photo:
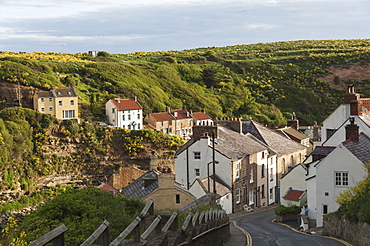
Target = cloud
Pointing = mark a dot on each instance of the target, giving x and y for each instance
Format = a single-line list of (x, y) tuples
[(149, 25)]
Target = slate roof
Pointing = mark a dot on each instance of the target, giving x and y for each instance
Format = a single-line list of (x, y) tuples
[(201, 116), (280, 144), (236, 145), (204, 199), (137, 190), (221, 188), (291, 132), (323, 150), (294, 195), (126, 104), (231, 144), (59, 92), (360, 149)]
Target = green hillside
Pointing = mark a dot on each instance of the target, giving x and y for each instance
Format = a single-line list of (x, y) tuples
[(264, 81)]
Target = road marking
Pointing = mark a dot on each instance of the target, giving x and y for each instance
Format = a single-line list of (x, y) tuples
[(293, 229), (247, 235)]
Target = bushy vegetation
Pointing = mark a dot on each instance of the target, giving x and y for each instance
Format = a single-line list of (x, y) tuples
[(24, 135), (354, 202), (264, 81), (283, 210), (82, 211)]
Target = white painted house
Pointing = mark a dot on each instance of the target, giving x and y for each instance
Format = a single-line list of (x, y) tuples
[(341, 169), (199, 188), (293, 187), (239, 159), (124, 113), (333, 131)]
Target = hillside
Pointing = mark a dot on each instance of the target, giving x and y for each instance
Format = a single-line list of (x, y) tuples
[(264, 81)]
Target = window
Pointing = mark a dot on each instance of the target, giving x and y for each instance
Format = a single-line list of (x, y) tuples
[(238, 195), (170, 123), (113, 110), (197, 155), (138, 116), (42, 99), (283, 166), (341, 178), (263, 191), (50, 109), (271, 174), (326, 193), (237, 170), (329, 132), (129, 127), (197, 172), (251, 200), (68, 114), (263, 155), (129, 117), (177, 198), (263, 171), (291, 161), (123, 117), (60, 103), (251, 176), (50, 99), (72, 102), (271, 194), (43, 109), (324, 209), (138, 126)]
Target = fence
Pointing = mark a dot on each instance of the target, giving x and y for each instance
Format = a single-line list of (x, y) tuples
[(206, 228)]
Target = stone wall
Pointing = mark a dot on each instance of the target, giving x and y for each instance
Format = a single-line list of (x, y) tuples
[(354, 233)]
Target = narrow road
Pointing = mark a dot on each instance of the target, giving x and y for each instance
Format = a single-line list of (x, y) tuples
[(263, 232)]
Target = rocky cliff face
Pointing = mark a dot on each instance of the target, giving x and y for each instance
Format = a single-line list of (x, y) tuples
[(9, 95)]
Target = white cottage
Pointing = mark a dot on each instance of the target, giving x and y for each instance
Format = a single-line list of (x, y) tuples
[(241, 164), (341, 169), (124, 113)]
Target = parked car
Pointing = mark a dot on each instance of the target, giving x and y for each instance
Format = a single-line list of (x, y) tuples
[(101, 124)]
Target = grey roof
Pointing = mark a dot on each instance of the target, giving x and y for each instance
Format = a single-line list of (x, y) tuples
[(221, 188), (59, 92), (231, 144), (236, 145), (137, 190), (322, 150), (280, 144), (360, 149), (204, 199)]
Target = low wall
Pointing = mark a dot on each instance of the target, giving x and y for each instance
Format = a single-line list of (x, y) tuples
[(282, 218), (354, 233)]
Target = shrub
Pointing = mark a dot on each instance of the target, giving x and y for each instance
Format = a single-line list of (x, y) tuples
[(283, 210)]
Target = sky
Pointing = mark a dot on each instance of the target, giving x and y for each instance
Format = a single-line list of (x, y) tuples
[(126, 26)]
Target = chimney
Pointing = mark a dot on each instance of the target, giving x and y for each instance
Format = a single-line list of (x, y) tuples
[(350, 95), (153, 163), (184, 107), (134, 98), (352, 130), (168, 109), (200, 130), (166, 180), (293, 122), (235, 124)]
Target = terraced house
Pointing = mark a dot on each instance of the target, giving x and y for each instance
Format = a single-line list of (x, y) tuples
[(62, 103)]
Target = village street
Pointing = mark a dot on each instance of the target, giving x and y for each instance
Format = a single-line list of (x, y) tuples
[(262, 232)]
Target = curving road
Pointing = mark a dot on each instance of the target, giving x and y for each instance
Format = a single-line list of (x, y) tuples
[(265, 233)]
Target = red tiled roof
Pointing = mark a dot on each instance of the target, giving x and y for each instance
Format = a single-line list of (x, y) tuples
[(294, 195), (366, 103), (126, 104), (150, 127), (107, 188), (201, 116), (181, 114), (162, 116)]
